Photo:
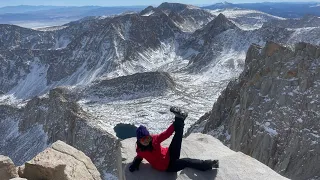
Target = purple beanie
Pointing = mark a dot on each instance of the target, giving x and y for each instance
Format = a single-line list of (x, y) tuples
[(142, 131)]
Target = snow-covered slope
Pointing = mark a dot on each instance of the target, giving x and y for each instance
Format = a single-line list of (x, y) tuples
[(245, 18), (304, 22), (96, 48), (233, 165), (280, 8)]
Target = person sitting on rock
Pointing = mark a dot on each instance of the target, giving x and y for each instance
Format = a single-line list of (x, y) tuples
[(164, 158)]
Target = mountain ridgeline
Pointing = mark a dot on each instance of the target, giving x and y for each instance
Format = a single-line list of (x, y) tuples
[(282, 9), (76, 82)]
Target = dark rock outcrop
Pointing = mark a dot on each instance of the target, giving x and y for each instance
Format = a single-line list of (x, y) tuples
[(132, 86)]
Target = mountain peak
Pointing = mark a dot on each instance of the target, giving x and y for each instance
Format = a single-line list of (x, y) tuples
[(221, 5), (222, 20), (226, 3), (176, 6), (218, 25), (222, 17), (147, 10)]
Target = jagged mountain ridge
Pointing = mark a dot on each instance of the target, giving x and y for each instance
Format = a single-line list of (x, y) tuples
[(17, 37), (282, 9), (125, 39), (120, 35), (187, 17), (247, 19), (204, 39), (99, 43)]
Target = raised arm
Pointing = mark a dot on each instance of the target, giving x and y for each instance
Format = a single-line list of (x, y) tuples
[(165, 134)]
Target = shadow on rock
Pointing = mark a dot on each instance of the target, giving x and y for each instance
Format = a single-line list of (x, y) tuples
[(199, 175), (147, 172)]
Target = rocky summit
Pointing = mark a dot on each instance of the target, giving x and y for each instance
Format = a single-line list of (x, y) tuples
[(271, 111), (233, 165), (59, 161)]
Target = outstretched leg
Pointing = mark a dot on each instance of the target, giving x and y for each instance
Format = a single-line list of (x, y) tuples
[(175, 145), (202, 165)]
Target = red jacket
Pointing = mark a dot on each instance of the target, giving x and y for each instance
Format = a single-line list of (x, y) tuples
[(159, 157)]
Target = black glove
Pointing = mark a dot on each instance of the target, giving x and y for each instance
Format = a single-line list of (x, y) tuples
[(133, 168), (135, 164)]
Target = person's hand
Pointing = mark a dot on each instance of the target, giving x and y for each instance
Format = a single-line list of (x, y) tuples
[(135, 164), (133, 168)]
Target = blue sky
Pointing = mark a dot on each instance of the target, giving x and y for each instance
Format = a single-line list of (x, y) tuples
[(119, 2)]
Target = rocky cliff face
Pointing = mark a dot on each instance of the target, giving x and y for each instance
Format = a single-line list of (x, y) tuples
[(28, 130), (270, 111)]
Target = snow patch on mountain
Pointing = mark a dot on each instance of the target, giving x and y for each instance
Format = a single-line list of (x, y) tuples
[(226, 66), (51, 28), (30, 143), (34, 82), (62, 42), (306, 34), (234, 13), (148, 13), (246, 19)]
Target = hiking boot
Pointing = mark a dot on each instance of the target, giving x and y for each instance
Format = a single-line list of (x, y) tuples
[(215, 164), (212, 163), (201, 165), (178, 112)]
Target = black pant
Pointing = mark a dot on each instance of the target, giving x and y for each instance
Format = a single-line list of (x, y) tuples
[(176, 164)]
